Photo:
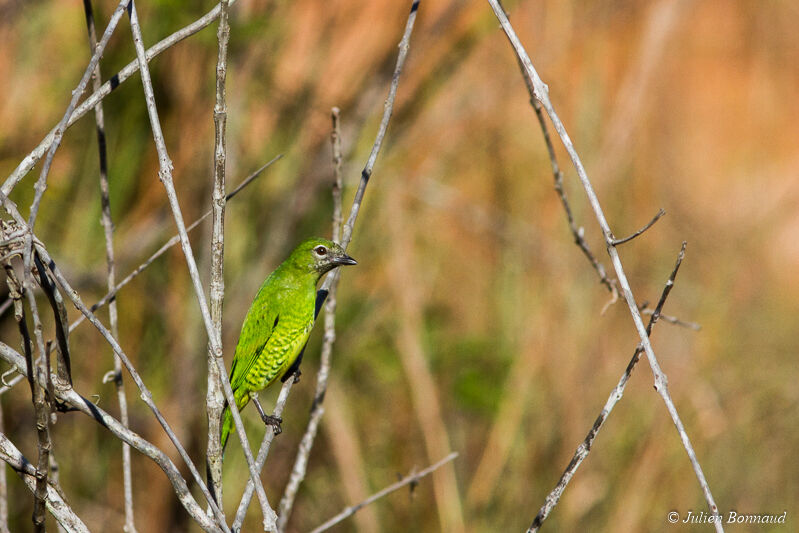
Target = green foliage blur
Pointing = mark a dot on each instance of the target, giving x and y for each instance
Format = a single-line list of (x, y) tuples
[(463, 249)]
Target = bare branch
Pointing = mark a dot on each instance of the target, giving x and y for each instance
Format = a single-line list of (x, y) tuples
[(170, 243), (411, 479), (263, 451), (354, 210), (41, 183), (79, 403), (215, 399), (64, 376), (404, 45), (674, 320), (108, 230), (317, 410), (585, 447), (577, 233), (60, 510), (87, 105), (3, 487), (165, 175), (539, 90), (41, 409), (651, 223)]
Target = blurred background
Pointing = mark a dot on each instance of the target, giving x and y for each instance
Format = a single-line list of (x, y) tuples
[(472, 322)]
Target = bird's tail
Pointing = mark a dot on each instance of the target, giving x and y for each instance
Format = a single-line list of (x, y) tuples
[(227, 425), (227, 416)]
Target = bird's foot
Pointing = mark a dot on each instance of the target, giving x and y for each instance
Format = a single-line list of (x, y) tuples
[(274, 421), (297, 375), (269, 420)]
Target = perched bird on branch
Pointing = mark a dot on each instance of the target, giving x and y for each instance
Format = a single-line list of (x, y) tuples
[(278, 324)]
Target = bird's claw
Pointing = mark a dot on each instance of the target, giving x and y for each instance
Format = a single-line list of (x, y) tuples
[(274, 421)]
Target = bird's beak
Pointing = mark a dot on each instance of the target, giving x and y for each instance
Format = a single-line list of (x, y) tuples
[(344, 259)]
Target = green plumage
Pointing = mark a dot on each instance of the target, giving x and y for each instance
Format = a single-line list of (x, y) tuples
[(279, 321)]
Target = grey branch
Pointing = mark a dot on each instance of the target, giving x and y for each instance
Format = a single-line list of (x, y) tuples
[(404, 45), (215, 398), (661, 383), (411, 479), (108, 231), (615, 395), (59, 508), (97, 53), (649, 224), (165, 175), (3, 487), (263, 451), (87, 105), (79, 403), (169, 244), (146, 395), (317, 409), (356, 204), (41, 408)]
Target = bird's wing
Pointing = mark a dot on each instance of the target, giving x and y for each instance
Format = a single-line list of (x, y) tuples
[(255, 334)]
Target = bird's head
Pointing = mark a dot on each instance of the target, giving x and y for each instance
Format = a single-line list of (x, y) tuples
[(320, 256)]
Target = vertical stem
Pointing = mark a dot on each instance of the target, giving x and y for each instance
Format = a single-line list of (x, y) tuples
[(41, 410), (3, 486), (215, 400), (165, 175), (108, 230), (541, 93), (317, 410)]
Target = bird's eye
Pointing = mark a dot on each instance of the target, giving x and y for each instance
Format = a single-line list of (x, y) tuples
[(320, 250)]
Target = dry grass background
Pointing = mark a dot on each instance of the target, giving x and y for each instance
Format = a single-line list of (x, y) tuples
[(464, 255)]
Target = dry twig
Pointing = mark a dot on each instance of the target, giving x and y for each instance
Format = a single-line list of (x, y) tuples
[(165, 175), (411, 479), (585, 447), (90, 102), (108, 231), (77, 402), (539, 91), (53, 500), (215, 398), (317, 409), (366, 173)]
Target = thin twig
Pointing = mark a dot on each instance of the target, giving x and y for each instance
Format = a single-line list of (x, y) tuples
[(145, 395), (263, 451), (540, 91), (87, 105), (108, 230), (97, 53), (615, 395), (64, 365), (3, 486), (317, 409), (411, 479), (169, 244), (651, 223), (41, 409), (577, 233), (54, 502), (79, 403), (366, 173), (55, 484), (215, 399), (674, 320), (165, 175)]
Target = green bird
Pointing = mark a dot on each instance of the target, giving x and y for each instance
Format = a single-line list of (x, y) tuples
[(278, 324)]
